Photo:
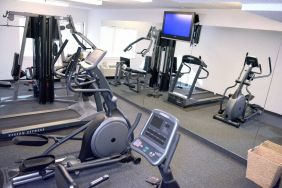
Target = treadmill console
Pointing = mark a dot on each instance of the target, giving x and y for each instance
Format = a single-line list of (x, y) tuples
[(156, 137)]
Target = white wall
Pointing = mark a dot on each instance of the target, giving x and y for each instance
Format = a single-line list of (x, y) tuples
[(236, 18), (224, 49), (224, 18), (9, 37)]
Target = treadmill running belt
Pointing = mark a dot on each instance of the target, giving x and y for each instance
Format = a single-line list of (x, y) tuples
[(34, 119)]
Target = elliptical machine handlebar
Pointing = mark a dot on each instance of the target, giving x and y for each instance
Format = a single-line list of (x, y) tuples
[(110, 100), (74, 66), (194, 60)]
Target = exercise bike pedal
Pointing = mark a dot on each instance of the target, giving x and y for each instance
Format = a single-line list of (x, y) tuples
[(37, 163)]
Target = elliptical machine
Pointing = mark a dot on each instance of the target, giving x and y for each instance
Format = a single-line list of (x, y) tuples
[(238, 109), (105, 140)]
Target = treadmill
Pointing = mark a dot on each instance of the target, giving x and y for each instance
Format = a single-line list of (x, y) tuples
[(42, 120), (194, 97), (46, 120)]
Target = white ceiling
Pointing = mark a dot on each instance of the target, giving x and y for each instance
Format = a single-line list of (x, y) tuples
[(170, 4), (199, 4), (186, 4)]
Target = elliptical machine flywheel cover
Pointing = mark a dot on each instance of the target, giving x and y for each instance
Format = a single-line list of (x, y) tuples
[(110, 137)]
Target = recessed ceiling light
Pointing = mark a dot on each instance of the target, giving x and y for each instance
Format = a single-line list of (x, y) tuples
[(262, 7), (92, 2), (144, 1), (54, 3)]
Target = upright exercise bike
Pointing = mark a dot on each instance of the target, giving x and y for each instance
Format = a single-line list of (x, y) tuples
[(238, 108)]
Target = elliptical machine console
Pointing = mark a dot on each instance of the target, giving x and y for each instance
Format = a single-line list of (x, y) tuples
[(238, 109), (157, 143)]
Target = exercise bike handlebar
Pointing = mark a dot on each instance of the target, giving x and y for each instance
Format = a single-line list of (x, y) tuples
[(270, 70)]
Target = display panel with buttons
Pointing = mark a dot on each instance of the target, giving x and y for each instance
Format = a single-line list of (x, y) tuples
[(156, 136)]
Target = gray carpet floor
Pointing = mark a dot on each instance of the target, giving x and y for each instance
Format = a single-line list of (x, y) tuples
[(199, 120), (195, 164)]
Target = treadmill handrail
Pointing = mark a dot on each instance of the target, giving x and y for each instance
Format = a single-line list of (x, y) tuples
[(187, 67), (193, 60), (207, 75)]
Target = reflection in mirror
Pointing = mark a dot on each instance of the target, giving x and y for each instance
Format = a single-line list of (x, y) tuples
[(223, 50)]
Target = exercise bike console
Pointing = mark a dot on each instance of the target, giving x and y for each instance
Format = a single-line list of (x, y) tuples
[(156, 138), (157, 143)]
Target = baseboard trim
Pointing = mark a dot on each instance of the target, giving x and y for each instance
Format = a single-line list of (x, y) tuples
[(185, 131)]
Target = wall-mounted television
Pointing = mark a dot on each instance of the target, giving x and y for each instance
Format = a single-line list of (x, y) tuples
[(178, 25)]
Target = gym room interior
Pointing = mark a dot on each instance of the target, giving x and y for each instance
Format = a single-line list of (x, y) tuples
[(141, 93)]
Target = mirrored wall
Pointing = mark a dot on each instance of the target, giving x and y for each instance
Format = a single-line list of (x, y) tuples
[(223, 50)]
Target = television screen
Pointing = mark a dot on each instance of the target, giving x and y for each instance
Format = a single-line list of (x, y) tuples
[(177, 25)]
